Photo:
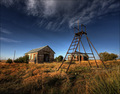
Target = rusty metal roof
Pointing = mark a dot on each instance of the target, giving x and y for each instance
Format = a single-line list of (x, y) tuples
[(38, 49)]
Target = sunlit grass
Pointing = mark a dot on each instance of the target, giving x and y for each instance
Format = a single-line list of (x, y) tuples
[(45, 79)]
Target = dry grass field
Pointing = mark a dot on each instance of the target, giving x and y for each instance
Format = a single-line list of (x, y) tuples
[(44, 78), (3, 61)]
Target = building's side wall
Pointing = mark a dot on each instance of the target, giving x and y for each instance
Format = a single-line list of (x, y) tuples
[(40, 56), (41, 53), (76, 58), (32, 57)]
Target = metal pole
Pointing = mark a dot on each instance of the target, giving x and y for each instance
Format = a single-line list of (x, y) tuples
[(74, 29), (79, 43), (81, 28), (79, 50), (78, 25), (14, 56), (85, 29)]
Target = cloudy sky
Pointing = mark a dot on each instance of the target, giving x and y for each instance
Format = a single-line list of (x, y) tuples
[(29, 24)]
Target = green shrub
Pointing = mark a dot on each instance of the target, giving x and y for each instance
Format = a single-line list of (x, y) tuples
[(26, 59), (23, 59), (9, 61), (19, 60), (56, 59)]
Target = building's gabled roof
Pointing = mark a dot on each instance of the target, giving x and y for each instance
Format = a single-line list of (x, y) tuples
[(38, 49)]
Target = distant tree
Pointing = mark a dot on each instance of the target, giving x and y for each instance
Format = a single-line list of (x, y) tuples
[(16, 60), (105, 56), (113, 56), (9, 61), (59, 58)]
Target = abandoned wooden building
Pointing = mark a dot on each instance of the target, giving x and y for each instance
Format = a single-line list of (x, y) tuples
[(40, 55), (78, 55)]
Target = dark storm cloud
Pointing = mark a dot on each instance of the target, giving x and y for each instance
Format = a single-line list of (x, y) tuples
[(52, 14)]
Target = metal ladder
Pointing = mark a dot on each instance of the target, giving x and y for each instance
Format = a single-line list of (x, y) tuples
[(72, 49), (74, 45)]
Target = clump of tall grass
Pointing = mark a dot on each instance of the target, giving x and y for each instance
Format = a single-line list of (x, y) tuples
[(107, 82)]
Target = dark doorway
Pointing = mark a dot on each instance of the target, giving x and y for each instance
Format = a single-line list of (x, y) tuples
[(46, 57), (80, 58), (85, 58)]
